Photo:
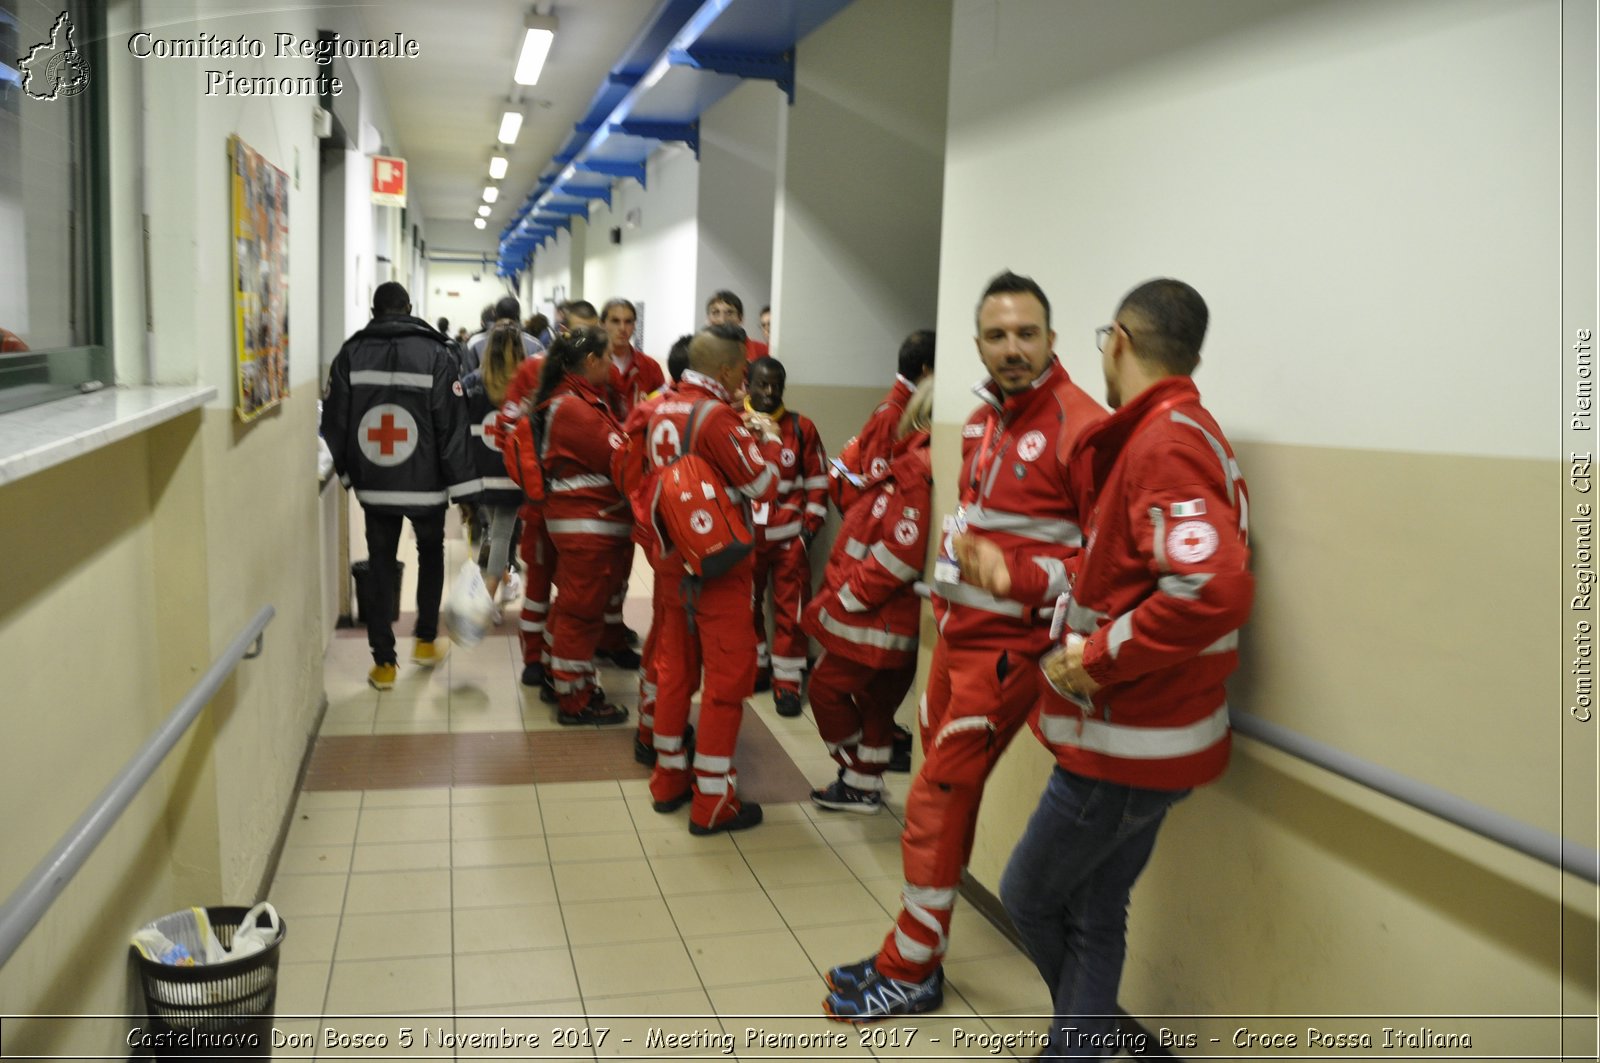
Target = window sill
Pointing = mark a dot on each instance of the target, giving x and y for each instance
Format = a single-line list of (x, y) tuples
[(38, 437)]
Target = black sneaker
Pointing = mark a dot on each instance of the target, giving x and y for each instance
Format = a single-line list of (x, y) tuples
[(748, 816), (787, 702), (547, 690), (884, 998), (630, 636), (642, 753), (626, 659), (763, 680), (840, 796), (533, 674), (598, 713), (672, 804), (900, 755)]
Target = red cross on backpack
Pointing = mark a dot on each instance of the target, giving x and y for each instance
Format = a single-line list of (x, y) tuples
[(691, 511)]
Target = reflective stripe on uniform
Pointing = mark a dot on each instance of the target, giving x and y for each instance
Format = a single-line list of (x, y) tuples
[(788, 668), (1121, 631), (578, 483), (1135, 743), (966, 594), (1082, 619), (816, 509), (1216, 448), (416, 499), (758, 487), (778, 532), (610, 528), (856, 780), (717, 764), (856, 549), (865, 636), (1042, 529), (1230, 641), (382, 378), (874, 754), (896, 567), (962, 724), (709, 784), (816, 483), (1187, 587), (1056, 571), (848, 599)]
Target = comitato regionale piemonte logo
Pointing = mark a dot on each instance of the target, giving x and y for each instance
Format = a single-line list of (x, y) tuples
[(57, 68)]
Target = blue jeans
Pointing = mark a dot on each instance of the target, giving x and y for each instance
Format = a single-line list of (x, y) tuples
[(1066, 888)]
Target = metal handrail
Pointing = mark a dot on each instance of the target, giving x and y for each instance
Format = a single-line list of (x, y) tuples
[(27, 904), (1532, 841)]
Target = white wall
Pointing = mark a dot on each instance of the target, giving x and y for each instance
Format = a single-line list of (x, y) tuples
[(738, 192), (1371, 216), (655, 263), (857, 244), (459, 291)]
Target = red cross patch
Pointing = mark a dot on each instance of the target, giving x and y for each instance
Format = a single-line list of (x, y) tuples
[(387, 435), (1192, 542)]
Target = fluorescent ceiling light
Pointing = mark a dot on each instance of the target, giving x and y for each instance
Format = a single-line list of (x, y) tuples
[(510, 126), (490, 193), (497, 166), (536, 42), (479, 223), (483, 211)]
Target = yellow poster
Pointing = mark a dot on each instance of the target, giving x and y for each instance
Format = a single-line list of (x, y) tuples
[(260, 279)]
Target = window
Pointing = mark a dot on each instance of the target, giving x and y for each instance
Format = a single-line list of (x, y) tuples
[(53, 291)]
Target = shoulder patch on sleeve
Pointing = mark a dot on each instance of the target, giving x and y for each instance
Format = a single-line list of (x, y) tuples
[(1192, 542), (456, 387), (1195, 507)]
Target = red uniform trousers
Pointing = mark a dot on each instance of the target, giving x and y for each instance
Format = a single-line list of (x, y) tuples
[(703, 621), (616, 632), (538, 560), (976, 702), (784, 565), (585, 572), (854, 705)]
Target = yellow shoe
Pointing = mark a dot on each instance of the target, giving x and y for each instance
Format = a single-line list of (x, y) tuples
[(427, 654), (382, 676)]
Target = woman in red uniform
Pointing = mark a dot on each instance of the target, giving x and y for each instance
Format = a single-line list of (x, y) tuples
[(588, 521), (866, 617)]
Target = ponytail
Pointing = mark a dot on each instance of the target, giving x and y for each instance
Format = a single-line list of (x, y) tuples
[(566, 354), (501, 356)]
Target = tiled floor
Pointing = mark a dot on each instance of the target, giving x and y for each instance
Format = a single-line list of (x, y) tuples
[(529, 910)]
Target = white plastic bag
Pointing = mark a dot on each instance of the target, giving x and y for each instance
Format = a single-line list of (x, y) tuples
[(468, 610), (250, 938)]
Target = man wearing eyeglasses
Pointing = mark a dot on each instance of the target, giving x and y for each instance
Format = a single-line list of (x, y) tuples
[(1133, 706), (983, 682)]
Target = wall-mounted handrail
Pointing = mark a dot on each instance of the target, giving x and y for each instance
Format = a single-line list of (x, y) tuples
[(28, 902), (1533, 841), (1540, 844)]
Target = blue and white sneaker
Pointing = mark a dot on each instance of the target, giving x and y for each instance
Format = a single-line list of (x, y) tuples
[(882, 998), (848, 976)]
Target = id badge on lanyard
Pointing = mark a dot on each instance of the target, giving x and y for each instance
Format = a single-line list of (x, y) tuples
[(946, 569)]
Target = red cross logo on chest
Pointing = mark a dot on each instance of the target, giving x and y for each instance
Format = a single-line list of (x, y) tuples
[(387, 434)]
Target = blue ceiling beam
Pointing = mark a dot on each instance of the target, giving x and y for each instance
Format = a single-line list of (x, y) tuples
[(634, 170), (767, 66), (682, 132)]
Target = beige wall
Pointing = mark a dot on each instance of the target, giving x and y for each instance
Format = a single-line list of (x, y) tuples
[(135, 565)]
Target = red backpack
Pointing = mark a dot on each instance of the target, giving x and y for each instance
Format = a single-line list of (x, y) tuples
[(520, 453), (690, 510)]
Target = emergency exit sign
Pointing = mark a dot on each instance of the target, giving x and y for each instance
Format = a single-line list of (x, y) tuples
[(388, 181)]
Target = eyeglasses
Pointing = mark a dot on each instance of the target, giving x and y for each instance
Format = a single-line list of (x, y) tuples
[(1102, 335)]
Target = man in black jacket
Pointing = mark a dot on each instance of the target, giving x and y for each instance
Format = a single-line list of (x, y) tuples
[(395, 419)]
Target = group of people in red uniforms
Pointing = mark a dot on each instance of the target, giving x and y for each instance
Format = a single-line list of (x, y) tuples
[(1090, 584)]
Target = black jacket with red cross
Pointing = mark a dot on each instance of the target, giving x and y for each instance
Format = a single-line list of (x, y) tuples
[(394, 417), (1159, 592), (1014, 492), (801, 504)]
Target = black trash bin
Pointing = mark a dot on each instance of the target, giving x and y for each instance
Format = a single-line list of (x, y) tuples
[(361, 572), (218, 1011)]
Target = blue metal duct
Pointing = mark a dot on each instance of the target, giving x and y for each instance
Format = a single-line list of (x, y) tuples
[(691, 54)]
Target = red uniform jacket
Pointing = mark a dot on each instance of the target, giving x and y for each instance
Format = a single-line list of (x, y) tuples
[(575, 447), (720, 437), (1160, 592), (866, 454), (867, 610), (1014, 491), (516, 441), (635, 431), (801, 503), (624, 391)]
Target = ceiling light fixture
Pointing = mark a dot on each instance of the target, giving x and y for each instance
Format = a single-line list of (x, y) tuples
[(536, 42), (510, 125), (478, 223), (483, 211), (497, 166), (490, 193)]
